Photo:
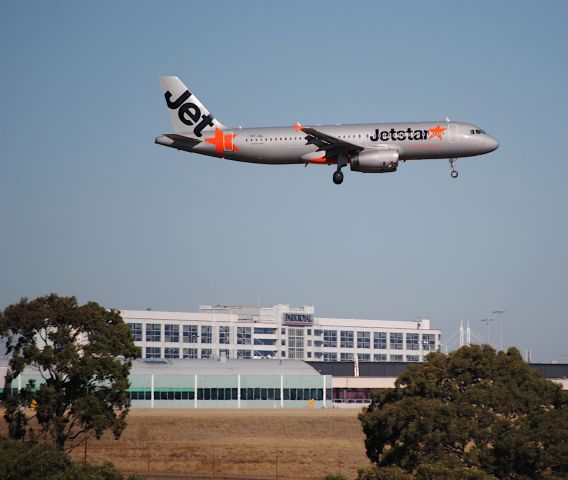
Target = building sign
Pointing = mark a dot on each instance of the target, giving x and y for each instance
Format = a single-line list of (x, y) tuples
[(298, 319)]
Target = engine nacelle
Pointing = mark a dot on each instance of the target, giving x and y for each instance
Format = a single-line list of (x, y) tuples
[(375, 161)]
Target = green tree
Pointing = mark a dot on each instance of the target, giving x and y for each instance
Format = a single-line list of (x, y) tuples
[(31, 461), (384, 473), (83, 353), (485, 411)]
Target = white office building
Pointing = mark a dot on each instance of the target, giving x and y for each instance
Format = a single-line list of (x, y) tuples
[(281, 332)]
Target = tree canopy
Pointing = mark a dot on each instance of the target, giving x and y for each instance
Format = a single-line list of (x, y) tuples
[(83, 353), (476, 408)]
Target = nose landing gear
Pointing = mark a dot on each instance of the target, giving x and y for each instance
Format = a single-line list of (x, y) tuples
[(454, 172)]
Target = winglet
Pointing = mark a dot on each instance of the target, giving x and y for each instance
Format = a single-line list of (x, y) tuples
[(298, 127)]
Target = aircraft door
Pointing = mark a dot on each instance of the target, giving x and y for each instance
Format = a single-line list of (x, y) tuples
[(228, 139), (454, 137)]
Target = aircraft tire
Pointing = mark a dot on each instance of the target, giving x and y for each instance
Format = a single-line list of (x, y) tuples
[(454, 174), (338, 178)]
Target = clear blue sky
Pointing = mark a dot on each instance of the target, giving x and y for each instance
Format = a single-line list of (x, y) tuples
[(89, 206)]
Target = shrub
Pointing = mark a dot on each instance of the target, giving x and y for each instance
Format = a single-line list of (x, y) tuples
[(445, 471), (383, 473), (19, 460)]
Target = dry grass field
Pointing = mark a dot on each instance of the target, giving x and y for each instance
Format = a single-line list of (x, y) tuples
[(283, 444)]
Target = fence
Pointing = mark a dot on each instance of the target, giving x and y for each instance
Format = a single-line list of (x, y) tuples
[(173, 459)]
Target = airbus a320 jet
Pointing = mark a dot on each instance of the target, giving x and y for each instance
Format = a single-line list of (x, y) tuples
[(367, 148)]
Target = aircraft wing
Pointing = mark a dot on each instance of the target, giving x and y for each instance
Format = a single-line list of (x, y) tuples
[(328, 143)]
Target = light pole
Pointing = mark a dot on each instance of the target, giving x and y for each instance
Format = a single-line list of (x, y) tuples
[(499, 313), (487, 321)]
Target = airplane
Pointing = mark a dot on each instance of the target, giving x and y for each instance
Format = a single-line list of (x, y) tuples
[(366, 148)]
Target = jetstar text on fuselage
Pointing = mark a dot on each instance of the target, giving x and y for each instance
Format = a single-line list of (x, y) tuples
[(408, 134)]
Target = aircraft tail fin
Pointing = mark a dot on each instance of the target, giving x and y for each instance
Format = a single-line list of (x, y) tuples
[(187, 113)]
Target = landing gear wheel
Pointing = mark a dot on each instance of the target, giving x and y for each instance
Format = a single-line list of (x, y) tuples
[(454, 172), (338, 178)]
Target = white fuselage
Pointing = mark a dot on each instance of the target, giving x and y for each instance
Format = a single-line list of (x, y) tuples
[(288, 145)]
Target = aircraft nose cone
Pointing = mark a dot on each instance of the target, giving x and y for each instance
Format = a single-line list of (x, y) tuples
[(492, 143)]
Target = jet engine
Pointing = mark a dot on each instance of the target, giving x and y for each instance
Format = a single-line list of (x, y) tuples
[(375, 161)]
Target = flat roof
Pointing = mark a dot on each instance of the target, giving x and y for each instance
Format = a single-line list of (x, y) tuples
[(217, 367), (394, 369)]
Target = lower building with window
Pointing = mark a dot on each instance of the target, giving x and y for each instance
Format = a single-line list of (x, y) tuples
[(280, 332), (164, 383)]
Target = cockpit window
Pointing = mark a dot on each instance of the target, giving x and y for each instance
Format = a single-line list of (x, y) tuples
[(477, 131)]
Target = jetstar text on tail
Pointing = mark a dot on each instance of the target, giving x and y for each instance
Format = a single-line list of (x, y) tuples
[(408, 134), (189, 113)]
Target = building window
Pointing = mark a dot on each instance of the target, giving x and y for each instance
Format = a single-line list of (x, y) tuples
[(171, 352), (264, 331), (190, 334), (283, 354), (243, 335), (224, 353), (206, 335), (364, 357), (412, 340), (283, 342), (396, 341), (206, 353), (264, 354), (136, 331), (296, 343), (190, 353), (224, 335), (153, 352), (283, 331), (412, 358), (317, 333), (428, 342), (346, 339), (380, 340), (396, 358), (346, 357), (309, 354), (171, 333), (264, 341), (244, 354), (380, 357), (330, 338), (363, 340), (309, 331), (329, 357), (153, 332)]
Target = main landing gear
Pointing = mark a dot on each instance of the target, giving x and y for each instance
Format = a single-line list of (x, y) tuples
[(454, 172), (338, 174)]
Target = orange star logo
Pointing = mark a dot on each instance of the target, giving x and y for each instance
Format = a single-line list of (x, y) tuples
[(223, 142), (436, 132)]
